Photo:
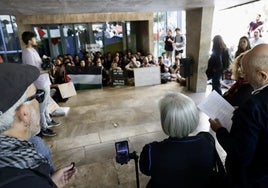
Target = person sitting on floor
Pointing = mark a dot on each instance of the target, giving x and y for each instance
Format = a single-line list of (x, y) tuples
[(131, 66)]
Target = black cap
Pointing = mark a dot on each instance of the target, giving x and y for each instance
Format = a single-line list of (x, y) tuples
[(14, 81)]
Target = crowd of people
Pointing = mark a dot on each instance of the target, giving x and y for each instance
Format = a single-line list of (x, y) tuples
[(25, 160), (108, 62), (222, 65)]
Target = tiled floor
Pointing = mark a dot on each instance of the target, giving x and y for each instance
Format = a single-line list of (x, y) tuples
[(88, 133)]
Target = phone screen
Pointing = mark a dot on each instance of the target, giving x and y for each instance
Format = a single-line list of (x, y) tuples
[(122, 151), (122, 148)]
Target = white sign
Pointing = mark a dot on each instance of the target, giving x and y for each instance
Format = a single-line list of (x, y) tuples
[(147, 76), (93, 48)]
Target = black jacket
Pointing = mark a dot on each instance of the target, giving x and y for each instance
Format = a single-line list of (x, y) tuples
[(247, 143), (36, 178), (185, 163)]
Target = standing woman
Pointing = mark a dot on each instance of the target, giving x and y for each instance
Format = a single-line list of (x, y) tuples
[(243, 45), (215, 63)]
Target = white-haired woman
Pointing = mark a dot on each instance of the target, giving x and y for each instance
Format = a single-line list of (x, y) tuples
[(180, 160)]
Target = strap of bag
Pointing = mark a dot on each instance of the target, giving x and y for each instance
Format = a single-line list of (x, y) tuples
[(218, 166)]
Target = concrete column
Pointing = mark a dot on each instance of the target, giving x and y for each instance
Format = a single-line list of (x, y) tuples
[(198, 27)]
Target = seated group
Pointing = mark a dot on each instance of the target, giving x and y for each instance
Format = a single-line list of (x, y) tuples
[(118, 61)]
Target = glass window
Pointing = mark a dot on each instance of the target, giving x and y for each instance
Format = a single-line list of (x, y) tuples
[(97, 43), (42, 40), (164, 21), (82, 35), (113, 36), (10, 32), (2, 47), (160, 27), (14, 57), (69, 39), (55, 39)]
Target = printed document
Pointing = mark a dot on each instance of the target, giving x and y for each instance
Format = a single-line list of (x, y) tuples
[(215, 106)]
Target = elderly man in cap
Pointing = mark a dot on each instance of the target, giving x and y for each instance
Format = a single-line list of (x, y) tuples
[(20, 164), (247, 143)]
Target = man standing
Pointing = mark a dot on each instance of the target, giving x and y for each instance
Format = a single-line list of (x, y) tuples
[(20, 164), (31, 57), (179, 43), (247, 143)]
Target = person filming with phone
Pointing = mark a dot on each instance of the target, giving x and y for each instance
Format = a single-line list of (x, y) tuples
[(180, 160), (20, 164)]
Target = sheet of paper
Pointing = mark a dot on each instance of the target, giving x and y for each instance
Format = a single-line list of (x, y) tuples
[(215, 106)]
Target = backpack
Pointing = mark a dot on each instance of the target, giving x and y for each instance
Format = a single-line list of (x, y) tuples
[(226, 59)]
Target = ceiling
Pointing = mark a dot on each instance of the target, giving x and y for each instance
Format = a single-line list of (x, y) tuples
[(32, 7)]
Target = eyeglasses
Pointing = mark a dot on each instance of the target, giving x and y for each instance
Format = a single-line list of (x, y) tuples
[(39, 96)]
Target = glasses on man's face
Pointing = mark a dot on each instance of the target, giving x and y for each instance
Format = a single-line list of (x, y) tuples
[(39, 96)]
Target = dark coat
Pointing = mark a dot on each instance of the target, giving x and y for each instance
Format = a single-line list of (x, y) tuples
[(247, 143), (36, 178), (173, 162), (239, 92)]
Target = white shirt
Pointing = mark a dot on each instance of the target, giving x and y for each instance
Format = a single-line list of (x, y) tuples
[(31, 57), (255, 42)]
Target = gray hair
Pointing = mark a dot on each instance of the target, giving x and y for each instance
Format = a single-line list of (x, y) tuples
[(7, 118), (179, 115)]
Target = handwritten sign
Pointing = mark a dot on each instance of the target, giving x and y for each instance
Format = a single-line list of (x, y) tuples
[(119, 78)]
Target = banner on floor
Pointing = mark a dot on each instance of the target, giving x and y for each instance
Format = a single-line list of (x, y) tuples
[(85, 77)]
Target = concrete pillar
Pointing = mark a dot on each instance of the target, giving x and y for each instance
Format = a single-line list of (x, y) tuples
[(198, 27)]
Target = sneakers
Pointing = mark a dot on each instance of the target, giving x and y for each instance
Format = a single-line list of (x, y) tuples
[(48, 132), (52, 124)]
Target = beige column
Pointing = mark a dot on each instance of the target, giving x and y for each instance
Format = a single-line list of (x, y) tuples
[(198, 28)]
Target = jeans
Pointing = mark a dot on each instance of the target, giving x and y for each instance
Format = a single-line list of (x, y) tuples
[(42, 148), (44, 113), (216, 82)]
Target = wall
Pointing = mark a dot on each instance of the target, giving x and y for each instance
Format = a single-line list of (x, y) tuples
[(141, 36)]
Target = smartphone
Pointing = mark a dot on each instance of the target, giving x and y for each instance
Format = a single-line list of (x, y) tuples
[(122, 152)]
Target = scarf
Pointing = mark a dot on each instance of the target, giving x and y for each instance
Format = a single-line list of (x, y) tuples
[(19, 154)]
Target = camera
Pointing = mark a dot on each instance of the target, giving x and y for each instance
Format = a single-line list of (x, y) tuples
[(122, 152), (47, 64)]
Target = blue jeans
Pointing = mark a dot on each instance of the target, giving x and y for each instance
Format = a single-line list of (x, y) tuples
[(216, 82), (44, 113), (42, 148)]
